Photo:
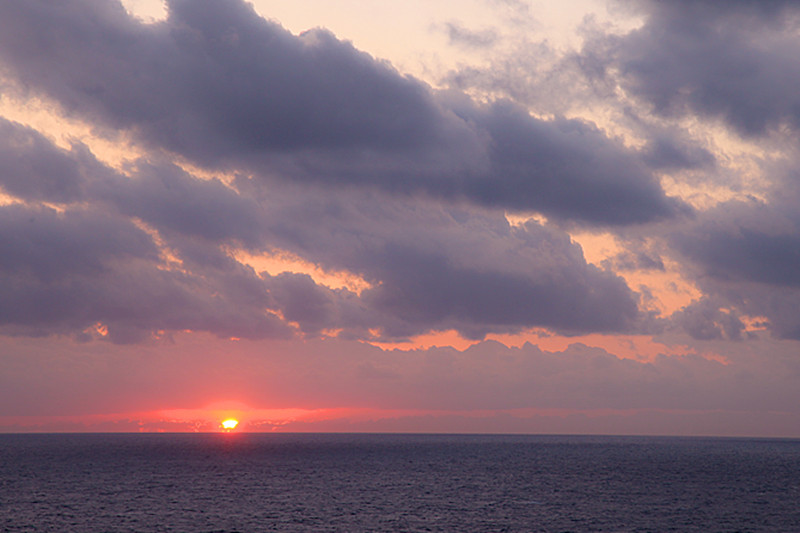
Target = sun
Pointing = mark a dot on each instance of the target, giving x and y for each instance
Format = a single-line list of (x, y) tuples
[(229, 424)]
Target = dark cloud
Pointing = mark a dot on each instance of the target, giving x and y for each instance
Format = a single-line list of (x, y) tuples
[(731, 60), (689, 62), (436, 267), (175, 202), (42, 244), (706, 320), (427, 289), (149, 251), (745, 256), (724, 313), (214, 80), (302, 301), (343, 162), (670, 152), (225, 88), (544, 164), (32, 168), (540, 77), (65, 272)]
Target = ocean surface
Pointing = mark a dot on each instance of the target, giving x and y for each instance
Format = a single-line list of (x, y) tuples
[(460, 483)]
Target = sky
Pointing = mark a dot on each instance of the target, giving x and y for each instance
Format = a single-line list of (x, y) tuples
[(473, 216)]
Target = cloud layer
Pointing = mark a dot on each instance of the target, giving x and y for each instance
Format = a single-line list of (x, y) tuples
[(150, 251), (340, 160), (219, 85)]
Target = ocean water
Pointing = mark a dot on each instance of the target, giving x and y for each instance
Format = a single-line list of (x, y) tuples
[(302, 482)]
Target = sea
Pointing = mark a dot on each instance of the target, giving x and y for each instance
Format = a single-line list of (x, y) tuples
[(251, 482)]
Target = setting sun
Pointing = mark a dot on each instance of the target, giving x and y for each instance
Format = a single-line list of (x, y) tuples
[(229, 424)]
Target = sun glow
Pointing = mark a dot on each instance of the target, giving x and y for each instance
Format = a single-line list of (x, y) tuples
[(229, 424)]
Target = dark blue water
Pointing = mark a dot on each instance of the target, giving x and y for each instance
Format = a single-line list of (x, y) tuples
[(269, 482)]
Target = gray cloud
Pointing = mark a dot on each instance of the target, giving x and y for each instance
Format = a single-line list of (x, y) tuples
[(694, 61), (221, 86), (361, 193), (65, 272), (225, 88), (431, 266), (732, 60), (441, 267), (32, 168), (745, 256), (176, 202), (583, 155), (668, 150), (41, 244), (705, 320), (425, 288), (534, 74)]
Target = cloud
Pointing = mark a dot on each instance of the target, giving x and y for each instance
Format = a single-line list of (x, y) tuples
[(344, 162), (348, 374), (582, 83), (741, 253), (32, 168), (672, 151), (706, 320), (175, 202), (427, 288), (338, 159), (744, 256), (688, 83), (227, 89), (440, 267), (733, 61), (150, 251), (69, 272), (460, 36)]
